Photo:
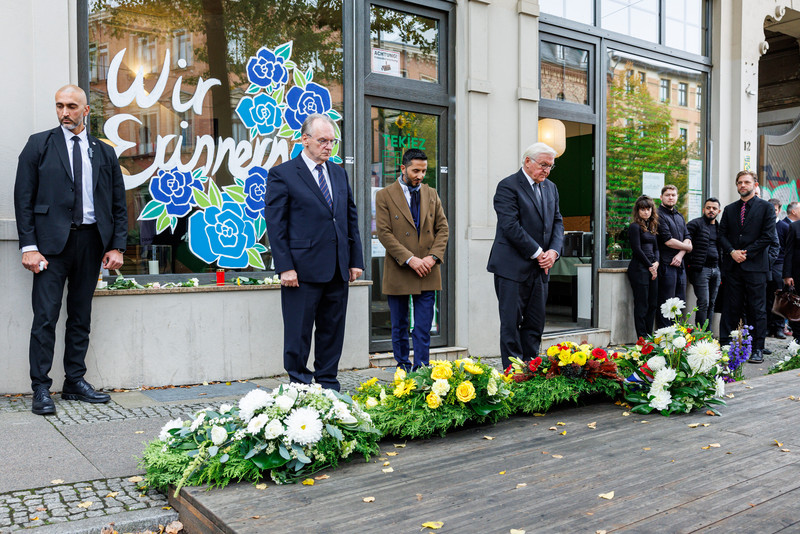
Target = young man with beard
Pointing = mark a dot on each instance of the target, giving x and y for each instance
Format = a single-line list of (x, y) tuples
[(673, 243), (702, 263)]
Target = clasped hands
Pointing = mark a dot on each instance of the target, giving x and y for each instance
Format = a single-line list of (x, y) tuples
[(739, 255), (422, 266), (547, 259)]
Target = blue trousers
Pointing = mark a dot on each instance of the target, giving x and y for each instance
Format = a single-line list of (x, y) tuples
[(421, 334)]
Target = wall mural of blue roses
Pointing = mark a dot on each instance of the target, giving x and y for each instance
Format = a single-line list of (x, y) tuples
[(226, 225)]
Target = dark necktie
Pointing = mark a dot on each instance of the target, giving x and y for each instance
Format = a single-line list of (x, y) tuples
[(323, 186), (415, 207), (537, 195), (77, 175), (741, 213)]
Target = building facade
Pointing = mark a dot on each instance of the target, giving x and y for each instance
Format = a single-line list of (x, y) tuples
[(200, 100)]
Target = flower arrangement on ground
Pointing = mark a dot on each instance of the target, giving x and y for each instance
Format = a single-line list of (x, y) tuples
[(572, 371), (676, 369), (735, 354), (435, 399), (289, 433), (789, 362)]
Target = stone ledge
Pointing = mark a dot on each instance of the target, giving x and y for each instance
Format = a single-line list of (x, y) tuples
[(201, 289)]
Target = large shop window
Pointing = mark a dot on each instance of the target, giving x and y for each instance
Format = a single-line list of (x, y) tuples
[(200, 99), (647, 145)]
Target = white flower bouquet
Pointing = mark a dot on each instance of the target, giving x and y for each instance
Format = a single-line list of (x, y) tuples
[(290, 433)]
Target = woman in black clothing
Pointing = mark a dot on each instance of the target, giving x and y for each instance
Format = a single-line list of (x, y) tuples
[(643, 268)]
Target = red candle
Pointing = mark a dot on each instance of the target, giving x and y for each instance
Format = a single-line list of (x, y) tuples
[(220, 277)]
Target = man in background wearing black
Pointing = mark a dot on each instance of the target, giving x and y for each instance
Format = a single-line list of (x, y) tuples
[(702, 263), (673, 244)]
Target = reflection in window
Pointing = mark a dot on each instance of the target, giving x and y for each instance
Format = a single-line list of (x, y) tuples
[(637, 18), (404, 45), (578, 10), (565, 77), (645, 140), (683, 94), (684, 25), (227, 133), (698, 95)]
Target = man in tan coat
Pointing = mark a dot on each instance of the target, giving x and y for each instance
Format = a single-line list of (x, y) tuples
[(412, 228)]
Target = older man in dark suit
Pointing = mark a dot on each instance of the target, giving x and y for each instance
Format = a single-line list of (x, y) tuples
[(527, 243), (746, 232), (312, 224), (69, 199)]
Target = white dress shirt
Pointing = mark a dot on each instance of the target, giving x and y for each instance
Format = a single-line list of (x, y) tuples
[(312, 166)]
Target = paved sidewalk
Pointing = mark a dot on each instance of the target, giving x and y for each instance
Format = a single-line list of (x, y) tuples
[(77, 471)]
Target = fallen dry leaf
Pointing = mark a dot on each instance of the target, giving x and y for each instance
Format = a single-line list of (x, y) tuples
[(553, 428), (711, 412), (564, 433), (608, 496), (561, 424), (693, 425), (748, 387), (308, 482), (368, 499), (174, 528), (381, 459), (599, 532), (490, 438), (521, 485), (706, 447), (625, 414), (399, 445), (57, 481), (592, 425), (435, 525), (255, 517), (388, 470), (261, 486), (322, 477), (778, 443), (501, 473), (645, 448), (135, 479), (645, 422), (385, 464), (714, 445), (205, 383), (545, 452), (729, 395), (112, 495), (35, 518), (85, 504), (516, 531), (392, 453), (419, 496), (785, 450), (556, 456), (139, 432), (166, 507), (706, 424), (536, 414), (41, 509)]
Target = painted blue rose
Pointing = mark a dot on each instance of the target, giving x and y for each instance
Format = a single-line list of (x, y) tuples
[(255, 187), (265, 69), (260, 112), (174, 189), (303, 102), (222, 235)]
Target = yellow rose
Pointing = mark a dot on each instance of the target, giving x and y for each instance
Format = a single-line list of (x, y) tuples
[(579, 358), (440, 372), (553, 350), (465, 391), (399, 375), (433, 400), (473, 369), (565, 357), (446, 363), (585, 347)]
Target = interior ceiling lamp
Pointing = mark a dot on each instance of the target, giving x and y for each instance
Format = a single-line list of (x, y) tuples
[(553, 132)]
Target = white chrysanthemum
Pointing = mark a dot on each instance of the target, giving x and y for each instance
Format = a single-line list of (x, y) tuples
[(491, 387), (198, 421), (661, 399), (656, 363), (293, 391), (303, 426), (441, 387), (225, 408), (257, 423), (667, 331), (284, 402), (382, 395), (164, 435), (735, 334), (672, 307), (793, 346), (372, 402), (218, 435), (664, 377), (719, 386), (254, 400), (342, 413), (703, 355), (679, 342), (273, 429)]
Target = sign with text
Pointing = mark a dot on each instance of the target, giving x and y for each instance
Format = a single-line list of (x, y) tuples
[(386, 62)]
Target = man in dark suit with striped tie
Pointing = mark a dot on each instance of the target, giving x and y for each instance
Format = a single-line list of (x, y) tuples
[(312, 224)]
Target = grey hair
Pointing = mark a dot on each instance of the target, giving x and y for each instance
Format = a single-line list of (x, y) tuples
[(306, 128), (535, 149), (792, 206)]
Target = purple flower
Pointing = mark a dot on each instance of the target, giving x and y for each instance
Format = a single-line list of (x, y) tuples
[(302, 102), (265, 69)]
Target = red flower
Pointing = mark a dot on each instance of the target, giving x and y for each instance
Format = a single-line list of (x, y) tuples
[(599, 354), (534, 364), (615, 355), (640, 342), (646, 370), (647, 349), (508, 370)]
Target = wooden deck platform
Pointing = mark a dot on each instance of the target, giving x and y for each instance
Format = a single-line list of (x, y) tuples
[(664, 477)]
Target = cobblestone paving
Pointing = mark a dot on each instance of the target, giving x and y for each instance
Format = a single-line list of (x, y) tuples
[(70, 502)]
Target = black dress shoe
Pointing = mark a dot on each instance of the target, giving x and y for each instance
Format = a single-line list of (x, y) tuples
[(83, 391), (756, 357), (779, 335), (42, 402), (766, 351)]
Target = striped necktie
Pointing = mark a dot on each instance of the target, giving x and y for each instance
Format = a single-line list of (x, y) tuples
[(323, 186)]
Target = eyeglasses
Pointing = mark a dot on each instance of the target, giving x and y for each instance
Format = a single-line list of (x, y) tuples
[(545, 166), (326, 142)]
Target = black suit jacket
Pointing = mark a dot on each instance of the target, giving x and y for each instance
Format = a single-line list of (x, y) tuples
[(755, 236), (43, 193), (791, 258), (304, 233), (522, 228)]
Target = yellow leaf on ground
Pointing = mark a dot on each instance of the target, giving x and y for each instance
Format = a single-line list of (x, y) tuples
[(35, 518), (778, 443), (592, 425), (557, 456), (308, 482), (625, 414), (490, 438), (545, 452), (135, 479), (85, 504), (399, 445), (645, 448), (645, 422), (516, 531), (261, 486), (706, 447), (227, 383), (388, 470), (608, 496), (57, 481), (255, 517), (522, 485), (386, 464), (392, 453), (553, 428), (205, 383), (368, 499), (139, 432), (785, 450), (166, 507), (322, 477), (714, 445), (599, 532), (435, 525), (536, 414), (501, 473), (693, 425), (706, 424), (112, 495), (381, 459), (729, 395), (564, 433), (419, 496), (561, 424)]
